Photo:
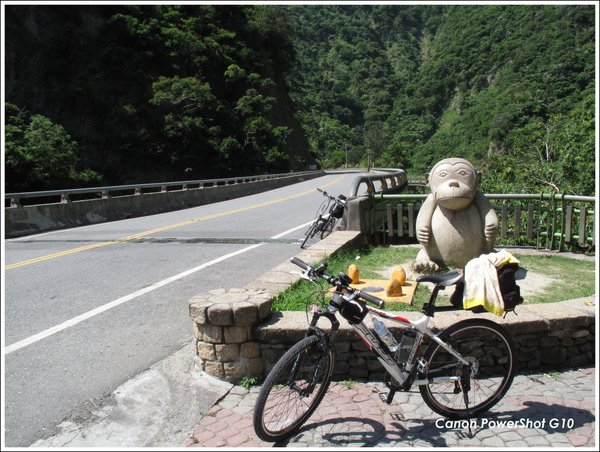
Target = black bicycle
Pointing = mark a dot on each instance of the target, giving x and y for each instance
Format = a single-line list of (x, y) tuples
[(328, 214), (461, 372)]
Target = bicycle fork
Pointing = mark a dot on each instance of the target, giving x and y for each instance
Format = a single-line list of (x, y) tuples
[(325, 341)]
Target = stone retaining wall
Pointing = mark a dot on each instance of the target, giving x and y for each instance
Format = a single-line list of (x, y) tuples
[(547, 336), (237, 335)]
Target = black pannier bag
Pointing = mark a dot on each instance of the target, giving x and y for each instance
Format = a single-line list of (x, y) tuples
[(337, 210), (511, 292)]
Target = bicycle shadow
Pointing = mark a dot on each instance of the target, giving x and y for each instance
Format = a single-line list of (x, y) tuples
[(541, 418), (339, 431)]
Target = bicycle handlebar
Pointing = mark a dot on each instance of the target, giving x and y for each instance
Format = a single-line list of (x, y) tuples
[(335, 281), (333, 198)]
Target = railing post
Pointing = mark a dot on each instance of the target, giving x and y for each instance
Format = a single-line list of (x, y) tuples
[(503, 224), (568, 232), (411, 220), (390, 220), (561, 242), (64, 198), (400, 220), (582, 234), (530, 215), (517, 230)]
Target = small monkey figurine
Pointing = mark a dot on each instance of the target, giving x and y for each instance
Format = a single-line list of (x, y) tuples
[(456, 222)]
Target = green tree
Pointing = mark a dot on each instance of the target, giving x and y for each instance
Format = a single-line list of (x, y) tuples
[(40, 153)]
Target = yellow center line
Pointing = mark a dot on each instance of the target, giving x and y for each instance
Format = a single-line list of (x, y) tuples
[(163, 228)]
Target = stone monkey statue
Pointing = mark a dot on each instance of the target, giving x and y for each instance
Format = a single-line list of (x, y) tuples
[(456, 222)]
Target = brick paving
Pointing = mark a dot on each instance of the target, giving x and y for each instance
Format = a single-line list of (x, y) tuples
[(546, 410)]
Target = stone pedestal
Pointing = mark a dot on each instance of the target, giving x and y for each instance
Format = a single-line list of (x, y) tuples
[(223, 325)]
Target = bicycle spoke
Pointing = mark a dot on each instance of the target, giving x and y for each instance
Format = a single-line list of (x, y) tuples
[(282, 408), (489, 352)]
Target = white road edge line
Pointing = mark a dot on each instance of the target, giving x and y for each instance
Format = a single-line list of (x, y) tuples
[(105, 307), (289, 231)]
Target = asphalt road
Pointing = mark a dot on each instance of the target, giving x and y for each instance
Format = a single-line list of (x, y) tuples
[(88, 308)]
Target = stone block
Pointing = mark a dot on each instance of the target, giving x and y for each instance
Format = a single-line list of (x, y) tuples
[(244, 313), (272, 355), (210, 333), (359, 345), (227, 352), (282, 328), (220, 314), (233, 371), (342, 356), (279, 277), (197, 309), (249, 350), (357, 361), (566, 341), (197, 331), (359, 371), (580, 333), (255, 367), (553, 355), (263, 305), (549, 341), (273, 288), (236, 334), (373, 365), (206, 351), (342, 347), (576, 361), (341, 368), (214, 368), (559, 315)]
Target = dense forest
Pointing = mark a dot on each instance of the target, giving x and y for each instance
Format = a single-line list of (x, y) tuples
[(109, 95)]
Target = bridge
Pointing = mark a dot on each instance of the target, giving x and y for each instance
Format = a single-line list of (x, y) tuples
[(87, 308)]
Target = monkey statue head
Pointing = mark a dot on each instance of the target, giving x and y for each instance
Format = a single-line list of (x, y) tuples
[(454, 183)]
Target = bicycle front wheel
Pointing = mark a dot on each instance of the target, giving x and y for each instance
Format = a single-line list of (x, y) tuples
[(293, 390), (310, 233), (490, 351)]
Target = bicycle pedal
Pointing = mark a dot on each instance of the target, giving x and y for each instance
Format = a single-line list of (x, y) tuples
[(387, 397)]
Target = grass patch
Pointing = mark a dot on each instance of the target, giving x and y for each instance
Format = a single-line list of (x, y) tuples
[(249, 381), (370, 260), (573, 278)]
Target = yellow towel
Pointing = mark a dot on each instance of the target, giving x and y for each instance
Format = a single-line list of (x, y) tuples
[(481, 281)]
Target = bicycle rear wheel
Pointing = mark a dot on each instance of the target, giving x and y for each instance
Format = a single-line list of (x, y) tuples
[(489, 349), (293, 390), (328, 227)]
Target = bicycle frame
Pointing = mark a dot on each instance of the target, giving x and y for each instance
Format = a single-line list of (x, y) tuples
[(404, 377)]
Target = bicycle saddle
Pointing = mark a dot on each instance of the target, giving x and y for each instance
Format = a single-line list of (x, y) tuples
[(447, 279)]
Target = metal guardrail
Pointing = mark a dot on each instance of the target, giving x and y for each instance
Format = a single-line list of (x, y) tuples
[(65, 196), (392, 181), (550, 221)]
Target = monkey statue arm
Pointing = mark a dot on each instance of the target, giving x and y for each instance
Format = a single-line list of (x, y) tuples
[(489, 219), (423, 223)]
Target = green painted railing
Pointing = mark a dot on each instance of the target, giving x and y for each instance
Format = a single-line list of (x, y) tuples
[(546, 221)]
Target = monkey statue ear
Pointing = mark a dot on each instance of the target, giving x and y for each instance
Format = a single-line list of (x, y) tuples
[(427, 177), (478, 178)]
